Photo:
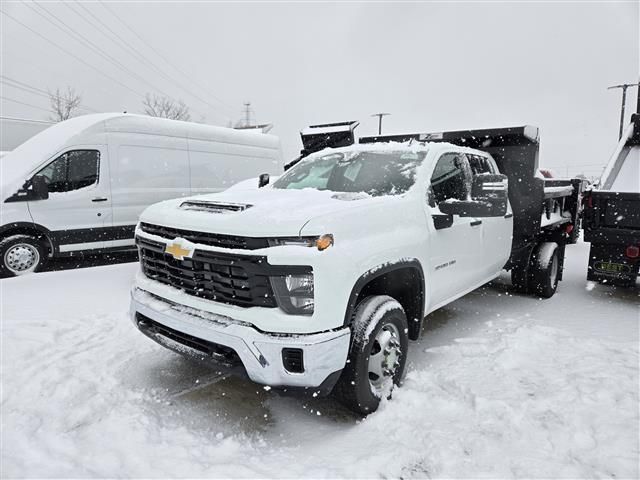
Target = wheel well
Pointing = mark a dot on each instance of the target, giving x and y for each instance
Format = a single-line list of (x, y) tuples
[(404, 283), (32, 231)]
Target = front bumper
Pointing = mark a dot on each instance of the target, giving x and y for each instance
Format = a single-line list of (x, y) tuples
[(324, 354)]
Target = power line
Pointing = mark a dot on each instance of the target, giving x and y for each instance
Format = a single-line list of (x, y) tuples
[(52, 72), (24, 89), (3, 117), (34, 90), (110, 34), (24, 103), (162, 56), (91, 45), (71, 54)]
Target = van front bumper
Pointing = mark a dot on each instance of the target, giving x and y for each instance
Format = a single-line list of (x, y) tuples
[(208, 336)]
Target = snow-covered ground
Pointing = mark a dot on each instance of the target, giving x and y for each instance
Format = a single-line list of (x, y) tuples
[(500, 385)]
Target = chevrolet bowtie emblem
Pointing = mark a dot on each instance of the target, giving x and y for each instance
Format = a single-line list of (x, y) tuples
[(177, 251)]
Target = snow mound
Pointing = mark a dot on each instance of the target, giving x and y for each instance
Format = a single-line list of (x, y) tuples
[(499, 386)]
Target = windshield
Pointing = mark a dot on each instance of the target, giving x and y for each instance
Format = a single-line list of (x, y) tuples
[(375, 173)]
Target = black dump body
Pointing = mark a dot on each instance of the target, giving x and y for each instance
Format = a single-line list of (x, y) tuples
[(611, 222), (318, 137), (515, 150)]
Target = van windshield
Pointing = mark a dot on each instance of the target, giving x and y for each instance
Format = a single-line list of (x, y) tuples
[(375, 173)]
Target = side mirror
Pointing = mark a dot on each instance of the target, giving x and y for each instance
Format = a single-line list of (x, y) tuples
[(263, 180), (441, 221), (490, 187), (40, 187), (489, 194)]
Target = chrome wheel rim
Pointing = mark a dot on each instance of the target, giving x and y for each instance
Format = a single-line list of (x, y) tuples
[(554, 270), (21, 258), (384, 359)]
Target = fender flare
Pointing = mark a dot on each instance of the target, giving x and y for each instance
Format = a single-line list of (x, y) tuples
[(6, 230), (379, 271)]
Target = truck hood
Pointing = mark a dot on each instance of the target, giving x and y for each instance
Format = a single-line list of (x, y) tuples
[(266, 212)]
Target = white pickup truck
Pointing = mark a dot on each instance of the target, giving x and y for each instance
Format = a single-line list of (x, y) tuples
[(320, 279)]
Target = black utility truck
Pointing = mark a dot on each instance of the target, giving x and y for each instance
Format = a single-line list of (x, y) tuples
[(611, 216)]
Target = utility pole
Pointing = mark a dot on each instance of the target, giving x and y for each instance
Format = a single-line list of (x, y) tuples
[(624, 87), (380, 115), (247, 114)]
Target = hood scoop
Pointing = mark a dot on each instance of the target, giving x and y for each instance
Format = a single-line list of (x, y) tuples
[(214, 207)]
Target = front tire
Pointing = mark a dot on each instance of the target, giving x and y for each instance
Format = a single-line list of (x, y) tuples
[(21, 255), (377, 357), (545, 269)]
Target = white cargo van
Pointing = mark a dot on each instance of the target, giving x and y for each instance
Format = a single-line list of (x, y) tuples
[(80, 185)]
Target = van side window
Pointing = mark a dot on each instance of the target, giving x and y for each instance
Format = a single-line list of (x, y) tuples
[(449, 179), (72, 170), (479, 164)]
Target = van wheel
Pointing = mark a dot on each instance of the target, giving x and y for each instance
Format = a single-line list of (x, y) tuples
[(545, 269), (377, 356), (20, 255)]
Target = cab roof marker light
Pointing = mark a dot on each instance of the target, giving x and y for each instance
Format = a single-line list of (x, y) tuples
[(425, 137)]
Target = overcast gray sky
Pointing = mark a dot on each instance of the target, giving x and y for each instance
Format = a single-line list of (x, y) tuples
[(434, 66)]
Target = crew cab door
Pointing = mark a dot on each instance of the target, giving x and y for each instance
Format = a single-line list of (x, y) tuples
[(78, 209), (455, 246), (497, 231)]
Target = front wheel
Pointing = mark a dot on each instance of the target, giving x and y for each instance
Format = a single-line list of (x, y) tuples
[(21, 255), (377, 356)]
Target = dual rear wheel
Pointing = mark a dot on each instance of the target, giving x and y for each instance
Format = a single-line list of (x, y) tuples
[(541, 274)]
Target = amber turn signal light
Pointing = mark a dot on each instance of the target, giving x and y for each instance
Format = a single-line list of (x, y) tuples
[(325, 241)]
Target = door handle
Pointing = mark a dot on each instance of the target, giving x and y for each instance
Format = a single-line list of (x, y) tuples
[(475, 223), (99, 199)]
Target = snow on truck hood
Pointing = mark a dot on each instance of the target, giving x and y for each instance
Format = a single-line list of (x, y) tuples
[(267, 212)]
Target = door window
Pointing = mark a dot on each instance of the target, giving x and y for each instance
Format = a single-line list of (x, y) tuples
[(72, 170), (480, 164), (450, 179)]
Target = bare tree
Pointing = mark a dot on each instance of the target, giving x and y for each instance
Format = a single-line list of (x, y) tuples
[(64, 104), (165, 107)]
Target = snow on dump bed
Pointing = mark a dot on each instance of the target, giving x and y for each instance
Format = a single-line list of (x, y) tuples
[(628, 178), (499, 386)]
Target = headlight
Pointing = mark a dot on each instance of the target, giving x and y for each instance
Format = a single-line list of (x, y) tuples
[(294, 293), (299, 241), (322, 242)]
